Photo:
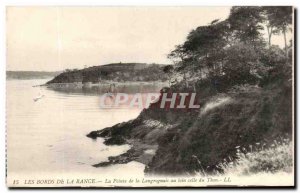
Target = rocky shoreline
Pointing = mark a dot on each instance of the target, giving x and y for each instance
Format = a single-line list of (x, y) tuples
[(140, 151)]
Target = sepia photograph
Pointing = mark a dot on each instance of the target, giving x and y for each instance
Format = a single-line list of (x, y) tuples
[(150, 97)]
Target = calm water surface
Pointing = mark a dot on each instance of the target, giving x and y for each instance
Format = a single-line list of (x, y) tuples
[(47, 137)]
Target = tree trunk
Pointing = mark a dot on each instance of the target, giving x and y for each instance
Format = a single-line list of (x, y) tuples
[(200, 71), (184, 79), (270, 31), (285, 44)]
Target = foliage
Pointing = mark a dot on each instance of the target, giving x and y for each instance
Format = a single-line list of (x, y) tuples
[(245, 23), (272, 56), (120, 72), (260, 159), (234, 49), (241, 59), (279, 17)]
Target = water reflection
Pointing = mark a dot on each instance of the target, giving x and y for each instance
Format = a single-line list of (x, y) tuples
[(100, 89)]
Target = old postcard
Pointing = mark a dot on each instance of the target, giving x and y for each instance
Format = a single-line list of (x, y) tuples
[(150, 96)]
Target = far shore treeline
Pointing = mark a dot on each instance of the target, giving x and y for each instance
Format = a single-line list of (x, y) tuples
[(25, 75), (116, 72)]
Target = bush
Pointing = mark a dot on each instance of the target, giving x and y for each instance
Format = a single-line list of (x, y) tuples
[(273, 56), (241, 59), (257, 159)]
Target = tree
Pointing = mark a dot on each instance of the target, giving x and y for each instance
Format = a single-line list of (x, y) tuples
[(205, 45), (206, 39), (266, 12), (279, 18), (245, 23), (234, 47), (177, 53), (169, 69)]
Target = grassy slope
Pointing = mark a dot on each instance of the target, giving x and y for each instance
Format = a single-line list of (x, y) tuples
[(276, 158), (252, 114)]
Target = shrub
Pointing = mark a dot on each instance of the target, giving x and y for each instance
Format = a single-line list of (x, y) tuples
[(273, 56), (257, 159), (241, 59)]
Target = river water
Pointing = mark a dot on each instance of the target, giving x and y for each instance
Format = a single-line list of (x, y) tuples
[(48, 137)]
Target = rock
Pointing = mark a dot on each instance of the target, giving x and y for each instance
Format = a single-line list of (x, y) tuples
[(118, 140), (93, 135)]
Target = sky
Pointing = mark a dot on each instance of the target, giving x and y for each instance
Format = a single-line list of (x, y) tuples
[(58, 38)]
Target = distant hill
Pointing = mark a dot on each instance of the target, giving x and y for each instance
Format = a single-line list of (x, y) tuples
[(24, 75), (118, 72)]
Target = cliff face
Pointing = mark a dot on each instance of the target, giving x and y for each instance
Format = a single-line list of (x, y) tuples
[(189, 141), (120, 72)]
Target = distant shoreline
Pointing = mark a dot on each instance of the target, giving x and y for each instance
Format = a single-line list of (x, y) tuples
[(108, 83), (30, 75)]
